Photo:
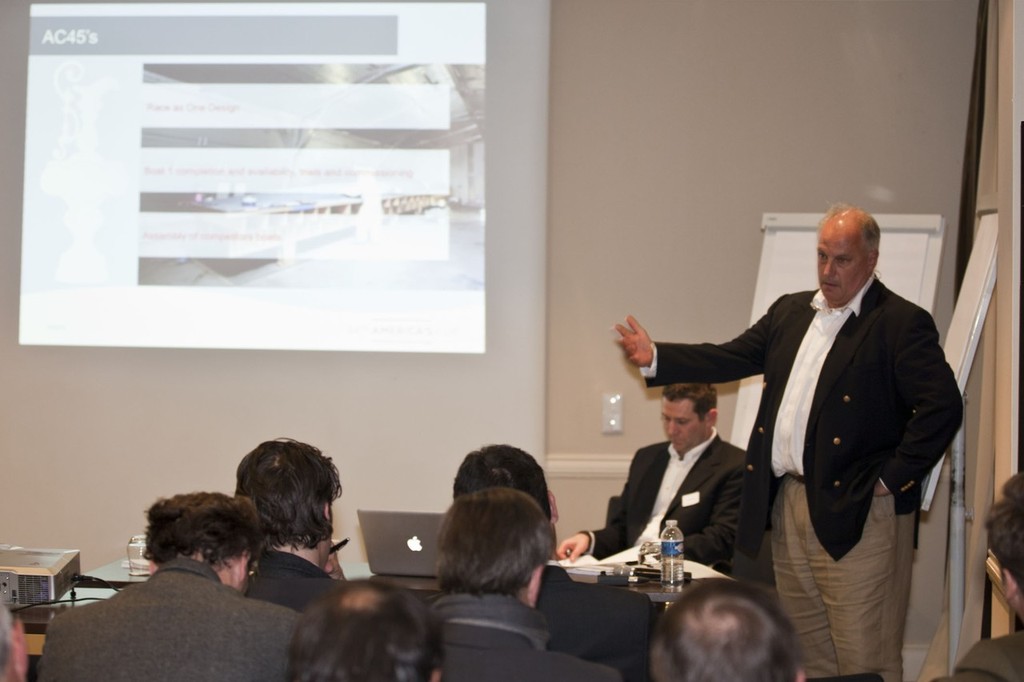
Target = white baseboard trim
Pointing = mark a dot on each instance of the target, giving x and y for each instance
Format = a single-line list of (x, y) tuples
[(579, 465)]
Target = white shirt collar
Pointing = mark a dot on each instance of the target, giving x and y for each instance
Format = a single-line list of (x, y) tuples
[(819, 303), (693, 452)]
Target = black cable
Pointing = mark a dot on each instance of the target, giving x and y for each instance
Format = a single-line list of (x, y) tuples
[(56, 601), (78, 578)]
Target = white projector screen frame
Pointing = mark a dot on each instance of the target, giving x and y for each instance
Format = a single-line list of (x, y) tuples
[(311, 179)]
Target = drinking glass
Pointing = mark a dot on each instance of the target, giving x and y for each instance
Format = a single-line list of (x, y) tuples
[(138, 564), (649, 554)]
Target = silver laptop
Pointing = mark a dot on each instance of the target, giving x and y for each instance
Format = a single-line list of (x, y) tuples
[(401, 543)]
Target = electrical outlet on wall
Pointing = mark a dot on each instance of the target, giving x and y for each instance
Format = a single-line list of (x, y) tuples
[(611, 413)]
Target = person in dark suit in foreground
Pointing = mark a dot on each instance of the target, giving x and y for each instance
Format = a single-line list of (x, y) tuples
[(189, 621), (293, 485), (1002, 659), (363, 631), (598, 623), (492, 549), (858, 404), (725, 630), (695, 478)]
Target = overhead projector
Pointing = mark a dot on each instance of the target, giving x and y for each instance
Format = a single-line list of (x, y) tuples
[(32, 576)]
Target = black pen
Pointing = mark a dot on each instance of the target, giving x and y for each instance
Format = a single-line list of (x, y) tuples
[(335, 547)]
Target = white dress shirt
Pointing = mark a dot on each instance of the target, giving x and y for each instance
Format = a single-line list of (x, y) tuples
[(678, 468), (795, 409)]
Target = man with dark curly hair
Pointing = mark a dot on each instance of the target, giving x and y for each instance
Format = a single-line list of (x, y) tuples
[(292, 485), (189, 621)]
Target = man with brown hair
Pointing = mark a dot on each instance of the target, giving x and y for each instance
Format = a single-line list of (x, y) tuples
[(599, 623), (189, 621), (695, 478), (493, 547)]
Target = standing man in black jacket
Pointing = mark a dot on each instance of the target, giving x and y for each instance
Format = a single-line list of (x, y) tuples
[(858, 405)]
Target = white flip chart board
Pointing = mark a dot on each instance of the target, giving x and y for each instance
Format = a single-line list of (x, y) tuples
[(908, 263), (969, 318)]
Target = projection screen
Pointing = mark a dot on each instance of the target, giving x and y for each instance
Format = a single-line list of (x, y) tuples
[(276, 176)]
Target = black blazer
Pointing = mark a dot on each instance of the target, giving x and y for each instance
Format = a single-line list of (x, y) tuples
[(288, 580), (709, 527), (598, 623), (886, 406)]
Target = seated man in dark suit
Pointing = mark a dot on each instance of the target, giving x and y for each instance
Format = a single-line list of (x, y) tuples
[(363, 631), (725, 630), (293, 486), (189, 621), (695, 478), (1002, 659), (492, 549), (598, 623)]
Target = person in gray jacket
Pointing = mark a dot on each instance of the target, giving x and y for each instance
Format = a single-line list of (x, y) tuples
[(598, 623), (492, 550), (190, 620)]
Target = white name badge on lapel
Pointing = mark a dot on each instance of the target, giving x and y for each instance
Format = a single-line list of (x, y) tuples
[(690, 499)]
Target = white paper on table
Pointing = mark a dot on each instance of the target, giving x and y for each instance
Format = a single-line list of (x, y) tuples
[(588, 565)]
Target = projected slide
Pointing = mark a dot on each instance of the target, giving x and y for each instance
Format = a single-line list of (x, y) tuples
[(274, 176)]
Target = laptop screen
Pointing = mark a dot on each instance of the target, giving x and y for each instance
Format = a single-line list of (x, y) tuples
[(400, 542)]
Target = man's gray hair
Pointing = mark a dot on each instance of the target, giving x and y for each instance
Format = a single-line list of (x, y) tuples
[(870, 231)]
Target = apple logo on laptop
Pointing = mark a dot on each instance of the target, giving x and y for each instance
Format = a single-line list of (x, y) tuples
[(414, 544)]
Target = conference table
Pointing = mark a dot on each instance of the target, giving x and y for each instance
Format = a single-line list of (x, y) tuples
[(106, 580), (116, 575), (652, 589)]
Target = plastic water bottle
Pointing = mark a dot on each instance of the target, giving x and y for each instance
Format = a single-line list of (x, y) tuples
[(672, 555)]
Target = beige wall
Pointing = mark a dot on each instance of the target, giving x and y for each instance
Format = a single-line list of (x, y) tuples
[(674, 126)]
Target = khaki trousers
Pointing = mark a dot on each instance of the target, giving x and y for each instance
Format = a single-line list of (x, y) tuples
[(849, 614)]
